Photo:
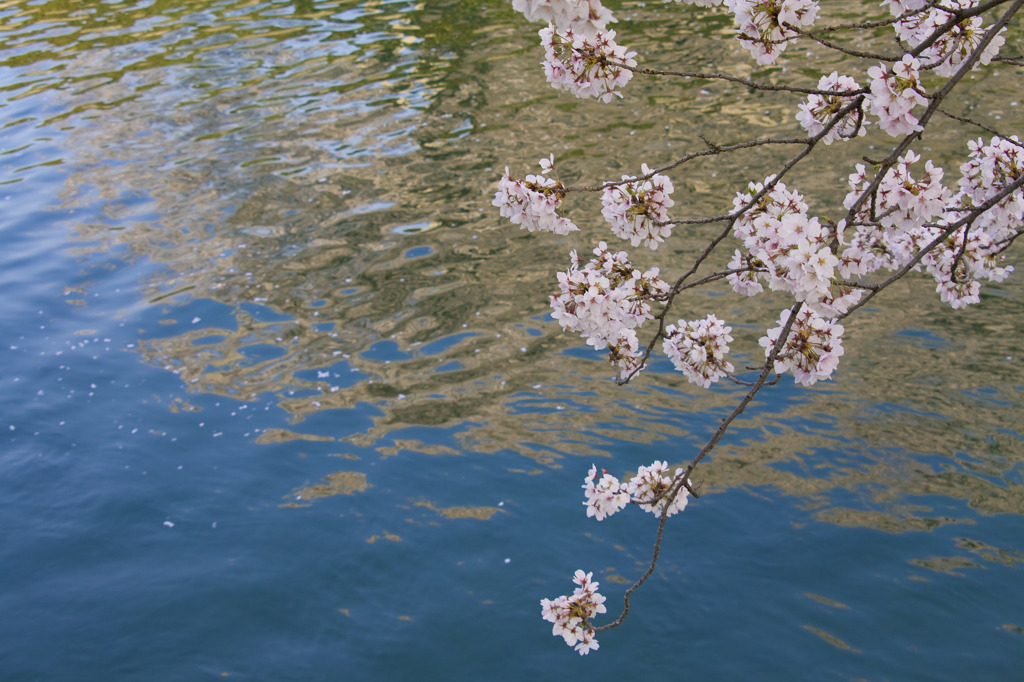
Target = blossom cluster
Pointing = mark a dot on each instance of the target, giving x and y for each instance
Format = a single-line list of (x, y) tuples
[(571, 615), (962, 259), (907, 214), (895, 93), (819, 110), (582, 16), (991, 169), (786, 247), (811, 350), (901, 200), (586, 66), (648, 489), (605, 300), (891, 226), (765, 27), (698, 348), (637, 209), (918, 22), (534, 203), (605, 495)]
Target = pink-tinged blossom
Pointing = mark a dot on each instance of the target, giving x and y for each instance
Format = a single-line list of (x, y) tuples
[(838, 302), (625, 354), (812, 349), (585, 17), (958, 266), (819, 110), (955, 45), (900, 7), (636, 208), (787, 248), (894, 94), (586, 66), (765, 27), (698, 349), (745, 283), (533, 203), (572, 615), (547, 165), (605, 495), (604, 301), (901, 201), (650, 487), (892, 229), (991, 169)]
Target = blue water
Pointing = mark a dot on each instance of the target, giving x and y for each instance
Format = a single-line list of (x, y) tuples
[(280, 399)]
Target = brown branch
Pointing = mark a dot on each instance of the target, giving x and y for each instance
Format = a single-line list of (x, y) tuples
[(680, 480)]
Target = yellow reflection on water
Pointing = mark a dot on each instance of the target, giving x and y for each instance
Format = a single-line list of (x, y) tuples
[(338, 483), (479, 513)]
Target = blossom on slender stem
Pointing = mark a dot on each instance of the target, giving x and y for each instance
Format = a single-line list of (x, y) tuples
[(765, 27), (954, 45), (571, 615), (902, 217), (812, 349), (894, 94), (650, 489), (902, 201), (786, 247), (605, 496), (818, 110), (637, 209), (698, 349), (586, 66), (533, 203), (989, 170), (604, 301), (958, 266)]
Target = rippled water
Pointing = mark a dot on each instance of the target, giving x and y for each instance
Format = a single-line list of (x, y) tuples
[(281, 400)]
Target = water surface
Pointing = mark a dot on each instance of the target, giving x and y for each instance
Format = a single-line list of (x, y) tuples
[(281, 399)]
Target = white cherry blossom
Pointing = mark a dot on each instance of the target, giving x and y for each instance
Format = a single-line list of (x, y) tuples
[(894, 94), (698, 349), (650, 486), (586, 66), (952, 47), (605, 301), (990, 169), (571, 615), (585, 17), (812, 349), (534, 203), (636, 208), (765, 27), (819, 110), (604, 496)]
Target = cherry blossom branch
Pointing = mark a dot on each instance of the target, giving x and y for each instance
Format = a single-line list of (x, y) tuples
[(911, 264), (731, 217), (970, 121), (901, 220), (756, 85), (681, 481), (933, 106), (713, 150)]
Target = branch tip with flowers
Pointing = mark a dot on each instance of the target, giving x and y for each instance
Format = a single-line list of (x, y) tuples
[(899, 216)]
